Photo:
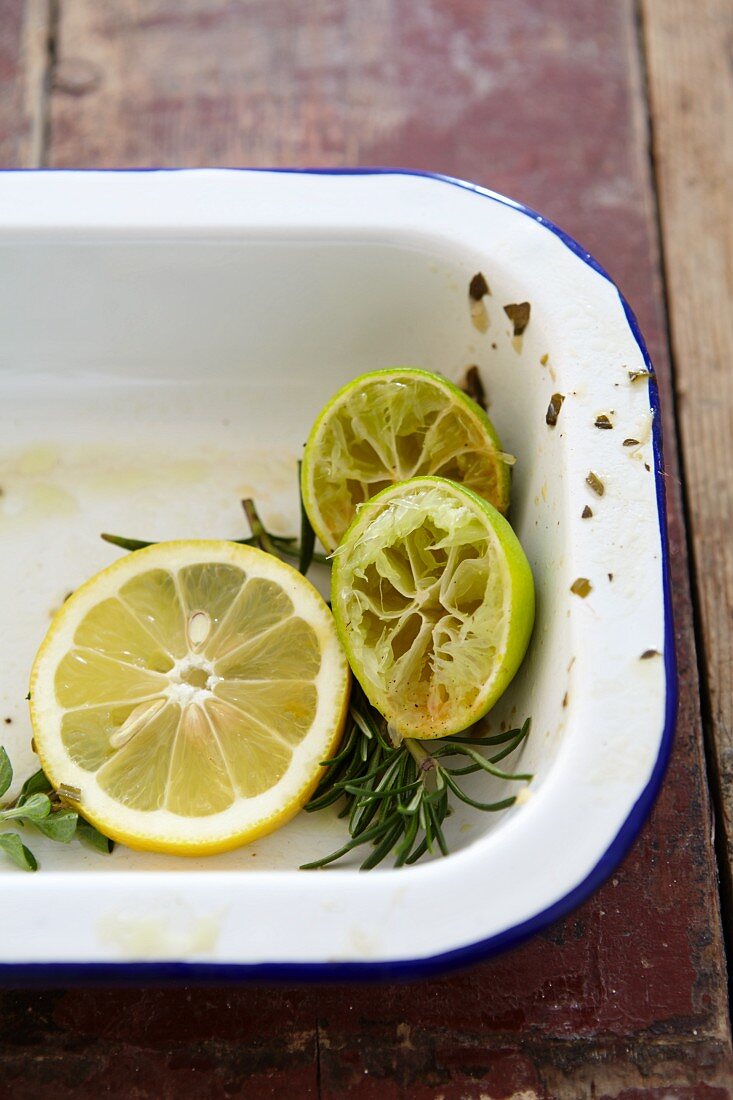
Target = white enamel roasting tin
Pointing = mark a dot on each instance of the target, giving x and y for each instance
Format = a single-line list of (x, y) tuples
[(166, 339)]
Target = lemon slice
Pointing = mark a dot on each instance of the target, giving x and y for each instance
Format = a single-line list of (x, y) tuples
[(189, 692), (434, 602), (386, 427)]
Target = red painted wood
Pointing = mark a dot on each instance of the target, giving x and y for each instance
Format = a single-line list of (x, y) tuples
[(23, 29), (541, 99)]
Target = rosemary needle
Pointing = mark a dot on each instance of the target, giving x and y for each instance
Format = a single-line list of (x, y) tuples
[(307, 536)]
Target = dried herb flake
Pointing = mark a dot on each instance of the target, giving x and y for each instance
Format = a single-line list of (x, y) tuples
[(595, 483), (581, 587), (603, 421), (587, 512), (518, 314), (631, 443), (649, 653), (71, 794), (553, 409), (478, 287), (635, 375), (543, 359), (474, 387)]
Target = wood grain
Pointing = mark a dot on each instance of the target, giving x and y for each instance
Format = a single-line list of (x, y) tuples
[(541, 99), (689, 46), (24, 33)]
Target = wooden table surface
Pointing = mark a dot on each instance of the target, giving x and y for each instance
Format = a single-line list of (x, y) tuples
[(615, 121)]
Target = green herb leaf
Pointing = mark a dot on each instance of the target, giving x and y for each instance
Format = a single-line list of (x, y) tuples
[(59, 826), (15, 849), (6, 772), (93, 837), (34, 809), (126, 544), (38, 783)]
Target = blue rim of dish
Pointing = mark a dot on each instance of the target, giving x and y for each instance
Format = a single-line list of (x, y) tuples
[(161, 972)]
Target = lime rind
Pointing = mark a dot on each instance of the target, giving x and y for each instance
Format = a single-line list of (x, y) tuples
[(386, 427), (434, 602)]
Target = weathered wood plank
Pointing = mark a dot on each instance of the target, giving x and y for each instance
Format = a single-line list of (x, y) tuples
[(688, 45), (542, 100), (24, 60)]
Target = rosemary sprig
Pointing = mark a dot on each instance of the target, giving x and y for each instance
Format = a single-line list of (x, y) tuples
[(40, 805), (397, 796), (259, 532), (284, 545)]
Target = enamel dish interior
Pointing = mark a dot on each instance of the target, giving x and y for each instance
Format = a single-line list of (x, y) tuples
[(166, 340)]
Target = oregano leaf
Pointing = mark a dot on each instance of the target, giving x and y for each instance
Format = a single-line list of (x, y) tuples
[(37, 807), (93, 837), (60, 826), (38, 783), (15, 850), (6, 772)]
